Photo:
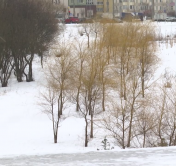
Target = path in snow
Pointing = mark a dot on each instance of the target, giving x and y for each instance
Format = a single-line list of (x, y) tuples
[(148, 157)]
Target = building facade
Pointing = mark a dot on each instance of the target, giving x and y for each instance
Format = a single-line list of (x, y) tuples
[(82, 8), (115, 8), (144, 6), (105, 7)]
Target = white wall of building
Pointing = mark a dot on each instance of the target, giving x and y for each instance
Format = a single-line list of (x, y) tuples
[(79, 12)]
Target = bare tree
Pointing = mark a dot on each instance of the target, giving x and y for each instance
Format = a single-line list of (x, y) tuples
[(84, 112), (82, 53), (87, 30), (91, 84), (48, 103), (28, 27), (115, 121), (87, 87), (59, 73), (161, 115), (146, 46), (6, 67), (167, 126), (145, 121), (123, 45)]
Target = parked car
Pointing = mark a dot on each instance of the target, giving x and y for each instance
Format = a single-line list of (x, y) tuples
[(72, 20), (170, 19)]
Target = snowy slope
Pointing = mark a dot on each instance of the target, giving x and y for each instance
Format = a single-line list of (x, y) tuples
[(25, 130)]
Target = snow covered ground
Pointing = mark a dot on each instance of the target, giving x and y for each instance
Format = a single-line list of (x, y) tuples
[(26, 136), (135, 157)]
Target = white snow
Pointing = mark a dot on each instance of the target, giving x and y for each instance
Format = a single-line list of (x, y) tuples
[(25, 130)]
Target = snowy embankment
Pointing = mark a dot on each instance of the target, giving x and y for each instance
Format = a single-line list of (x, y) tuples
[(135, 157), (25, 130)]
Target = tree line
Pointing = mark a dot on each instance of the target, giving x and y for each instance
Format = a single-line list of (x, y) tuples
[(27, 28), (112, 76)]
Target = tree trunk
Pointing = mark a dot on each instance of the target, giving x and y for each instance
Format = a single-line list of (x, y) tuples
[(172, 135), (19, 67), (55, 138), (88, 40), (79, 87), (58, 107), (130, 127), (91, 127), (6, 68), (29, 75), (77, 100), (123, 137), (121, 82), (61, 102), (103, 98), (4, 84), (124, 84), (86, 136), (175, 140), (142, 77), (41, 59), (144, 138), (55, 125)]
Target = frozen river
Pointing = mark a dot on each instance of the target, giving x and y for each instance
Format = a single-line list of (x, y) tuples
[(140, 157)]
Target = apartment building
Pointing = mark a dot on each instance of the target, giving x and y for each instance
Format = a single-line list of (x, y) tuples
[(63, 2), (62, 13), (143, 6), (105, 6), (89, 8), (82, 8)]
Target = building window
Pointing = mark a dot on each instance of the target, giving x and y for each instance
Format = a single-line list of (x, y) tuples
[(131, 6), (99, 9), (89, 2), (99, 3)]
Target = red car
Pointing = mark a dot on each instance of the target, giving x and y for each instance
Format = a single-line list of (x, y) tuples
[(72, 20)]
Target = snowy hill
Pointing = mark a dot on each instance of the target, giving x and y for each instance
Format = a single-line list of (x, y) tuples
[(25, 130)]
